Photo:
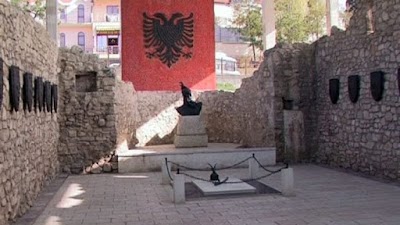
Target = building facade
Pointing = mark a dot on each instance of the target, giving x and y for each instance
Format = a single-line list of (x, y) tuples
[(94, 25)]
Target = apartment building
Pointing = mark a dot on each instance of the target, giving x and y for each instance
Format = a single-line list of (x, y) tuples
[(94, 25)]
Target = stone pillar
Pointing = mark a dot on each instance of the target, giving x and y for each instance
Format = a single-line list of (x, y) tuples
[(179, 188), (293, 134), (51, 19), (253, 168), (269, 31), (165, 172), (190, 132), (287, 182), (332, 14)]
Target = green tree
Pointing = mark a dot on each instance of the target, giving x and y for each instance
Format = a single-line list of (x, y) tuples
[(37, 9), (315, 18), (296, 21), (290, 20), (248, 23)]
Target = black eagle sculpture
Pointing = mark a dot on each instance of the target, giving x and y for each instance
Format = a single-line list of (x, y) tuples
[(189, 107), (168, 39)]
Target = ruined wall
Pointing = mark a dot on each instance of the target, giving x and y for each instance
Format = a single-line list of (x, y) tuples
[(290, 71), (157, 117), (362, 136), (28, 140), (229, 117), (245, 116), (125, 108), (86, 118)]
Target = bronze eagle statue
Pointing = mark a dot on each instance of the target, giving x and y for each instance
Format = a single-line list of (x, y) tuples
[(168, 39)]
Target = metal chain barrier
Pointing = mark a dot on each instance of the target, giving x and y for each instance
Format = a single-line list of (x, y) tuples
[(166, 166), (208, 169), (270, 172), (234, 165), (263, 167)]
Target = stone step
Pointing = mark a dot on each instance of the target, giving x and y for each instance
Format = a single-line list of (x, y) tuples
[(150, 158)]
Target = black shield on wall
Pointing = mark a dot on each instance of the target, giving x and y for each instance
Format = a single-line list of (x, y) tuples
[(1, 82), (54, 97), (47, 96), (354, 87), (398, 79), (38, 93), (377, 85), (27, 94), (334, 87), (15, 88)]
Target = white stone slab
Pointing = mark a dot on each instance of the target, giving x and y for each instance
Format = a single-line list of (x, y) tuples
[(210, 189), (192, 141), (150, 158)]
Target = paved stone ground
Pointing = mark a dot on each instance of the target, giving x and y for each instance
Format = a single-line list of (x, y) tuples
[(323, 196)]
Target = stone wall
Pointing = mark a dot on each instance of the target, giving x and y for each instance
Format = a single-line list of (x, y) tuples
[(157, 117), (125, 108), (87, 118), (362, 136), (28, 140), (229, 117), (290, 71), (245, 116)]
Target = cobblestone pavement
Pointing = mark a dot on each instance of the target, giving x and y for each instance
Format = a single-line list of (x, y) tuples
[(323, 196)]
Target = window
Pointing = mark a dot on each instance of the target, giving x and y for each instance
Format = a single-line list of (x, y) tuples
[(63, 16), (81, 14), (102, 43), (62, 40), (81, 39), (112, 13), (112, 10)]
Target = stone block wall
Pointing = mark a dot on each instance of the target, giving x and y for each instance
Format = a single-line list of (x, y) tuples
[(289, 71), (245, 116), (28, 140), (125, 108), (229, 117), (87, 118), (362, 136)]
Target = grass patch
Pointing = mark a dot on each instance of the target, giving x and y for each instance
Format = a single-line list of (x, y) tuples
[(226, 87)]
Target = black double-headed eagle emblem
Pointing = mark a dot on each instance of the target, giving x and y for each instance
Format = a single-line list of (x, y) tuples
[(168, 39)]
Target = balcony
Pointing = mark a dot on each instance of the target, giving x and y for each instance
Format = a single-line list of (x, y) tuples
[(74, 20), (107, 18), (112, 50), (112, 18), (113, 53)]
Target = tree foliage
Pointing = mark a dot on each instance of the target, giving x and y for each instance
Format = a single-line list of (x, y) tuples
[(296, 20), (37, 8), (299, 20), (315, 18), (248, 23)]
